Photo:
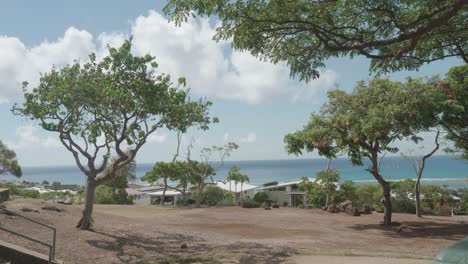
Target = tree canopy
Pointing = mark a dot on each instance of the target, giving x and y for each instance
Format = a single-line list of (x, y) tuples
[(100, 108), (395, 35), (365, 123), (455, 117), (8, 161)]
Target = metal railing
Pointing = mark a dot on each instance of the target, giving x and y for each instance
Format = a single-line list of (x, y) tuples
[(54, 230)]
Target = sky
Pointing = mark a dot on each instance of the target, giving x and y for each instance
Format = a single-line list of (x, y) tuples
[(257, 102)]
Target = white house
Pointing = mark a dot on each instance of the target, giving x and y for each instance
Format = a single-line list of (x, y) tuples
[(241, 190), (170, 197), (285, 193)]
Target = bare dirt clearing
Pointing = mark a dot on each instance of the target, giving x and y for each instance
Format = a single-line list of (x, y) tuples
[(143, 233)]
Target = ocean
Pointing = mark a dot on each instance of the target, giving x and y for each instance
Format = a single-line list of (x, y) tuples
[(440, 170)]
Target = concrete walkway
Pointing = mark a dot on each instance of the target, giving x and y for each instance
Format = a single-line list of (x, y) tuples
[(355, 260)]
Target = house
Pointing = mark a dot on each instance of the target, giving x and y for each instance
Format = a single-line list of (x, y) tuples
[(170, 197), (241, 190), (285, 193)]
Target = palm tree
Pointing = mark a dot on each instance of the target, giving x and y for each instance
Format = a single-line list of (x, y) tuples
[(243, 178)]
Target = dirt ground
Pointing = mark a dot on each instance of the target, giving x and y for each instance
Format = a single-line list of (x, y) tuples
[(150, 234)]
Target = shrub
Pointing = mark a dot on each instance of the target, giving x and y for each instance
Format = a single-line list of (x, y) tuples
[(103, 195), (347, 191), (211, 195), (251, 203), (260, 197), (370, 194), (29, 193)]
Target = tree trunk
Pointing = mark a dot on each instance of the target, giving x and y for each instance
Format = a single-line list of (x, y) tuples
[(163, 197), (235, 192), (86, 220), (417, 192), (241, 194), (200, 191), (387, 201), (387, 204)]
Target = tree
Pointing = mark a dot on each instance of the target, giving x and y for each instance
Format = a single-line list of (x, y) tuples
[(99, 108), (45, 183), (395, 35), (8, 162), (118, 184), (242, 179), (454, 118), (419, 163), (176, 171), (364, 124), (56, 185), (328, 181), (235, 176), (203, 170)]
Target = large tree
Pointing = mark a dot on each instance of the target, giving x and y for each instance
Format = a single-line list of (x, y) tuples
[(8, 161), (175, 171), (204, 170), (395, 35), (100, 108), (364, 124), (454, 118)]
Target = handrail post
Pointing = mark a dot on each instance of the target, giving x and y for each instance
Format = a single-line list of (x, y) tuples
[(53, 243)]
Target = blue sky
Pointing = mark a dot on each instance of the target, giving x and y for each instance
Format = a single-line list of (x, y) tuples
[(256, 102)]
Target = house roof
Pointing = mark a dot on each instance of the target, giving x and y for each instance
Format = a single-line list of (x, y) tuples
[(234, 187), (168, 193), (286, 183)]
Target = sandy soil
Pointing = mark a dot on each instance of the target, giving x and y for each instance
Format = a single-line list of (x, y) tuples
[(143, 233)]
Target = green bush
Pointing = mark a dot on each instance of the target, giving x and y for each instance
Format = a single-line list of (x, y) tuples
[(347, 191), (28, 193), (212, 195), (103, 195), (260, 197), (369, 194)]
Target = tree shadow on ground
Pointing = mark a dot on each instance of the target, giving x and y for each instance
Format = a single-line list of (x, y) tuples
[(434, 230), (167, 248)]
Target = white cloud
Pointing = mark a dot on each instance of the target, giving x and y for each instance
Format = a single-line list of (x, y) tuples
[(180, 51), (249, 138), (28, 137), (226, 137), (19, 63), (156, 138)]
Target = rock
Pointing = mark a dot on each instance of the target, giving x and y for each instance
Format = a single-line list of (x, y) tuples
[(276, 206), (342, 206), (365, 210), (379, 210), (352, 211), (184, 245), (395, 223), (267, 208), (52, 208), (26, 209), (332, 209), (324, 208)]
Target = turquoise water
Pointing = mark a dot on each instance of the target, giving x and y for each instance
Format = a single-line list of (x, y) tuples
[(440, 170)]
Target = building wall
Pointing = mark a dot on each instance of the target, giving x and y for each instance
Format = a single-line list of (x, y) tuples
[(280, 197)]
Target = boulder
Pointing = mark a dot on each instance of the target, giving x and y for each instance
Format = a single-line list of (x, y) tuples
[(267, 208), (52, 208), (276, 206), (379, 210), (324, 208), (332, 209), (352, 211), (365, 210), (342, 206)]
